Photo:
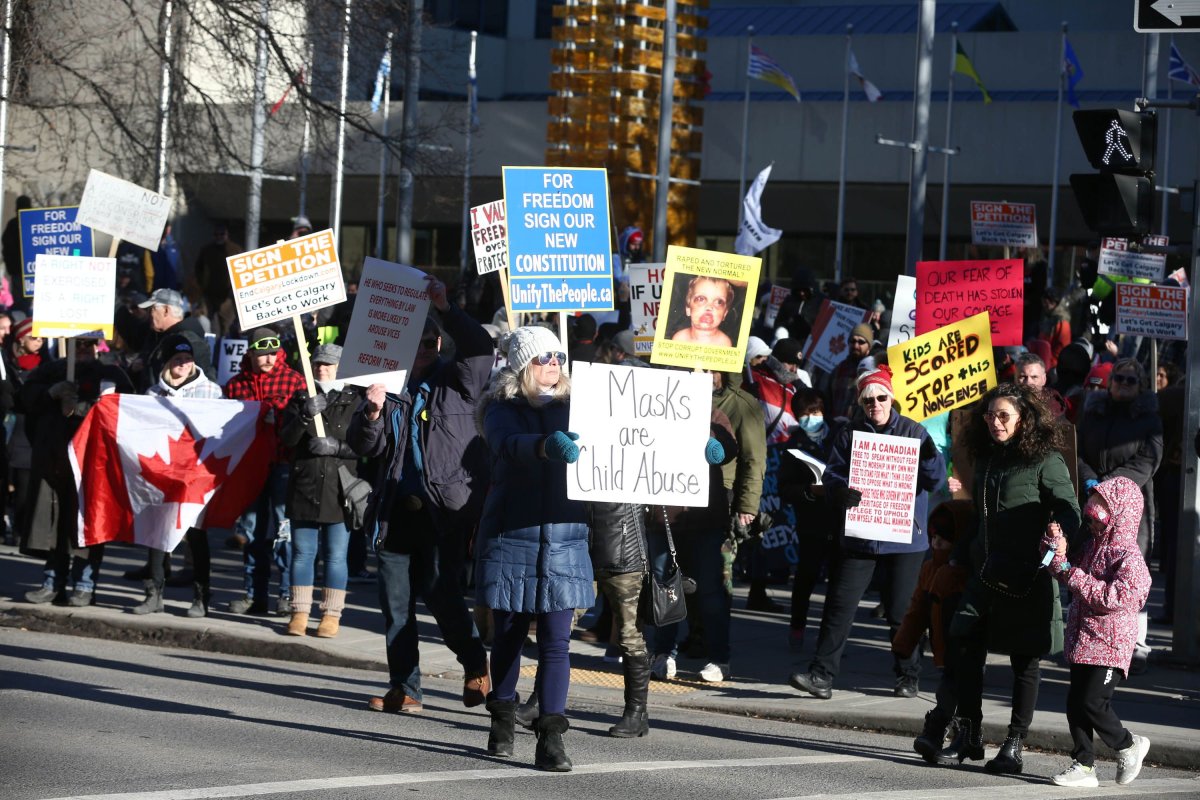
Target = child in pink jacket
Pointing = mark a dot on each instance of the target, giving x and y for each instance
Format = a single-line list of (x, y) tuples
[(1109, 584)]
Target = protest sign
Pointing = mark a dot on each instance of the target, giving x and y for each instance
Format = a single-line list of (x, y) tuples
[(642, 434), (829, 342), (904, 311), (229, 358), (559, 251), (123, 210), (884, 469), (386, 326), (53, 231), (710, 302), (1004, 224), (286, 279), (779, 543), (645, 297), (774, 302), (949, 291), (75, 295), (1180, 277), (489, 237), (1117, 259), (1160, 312), (943, 369)]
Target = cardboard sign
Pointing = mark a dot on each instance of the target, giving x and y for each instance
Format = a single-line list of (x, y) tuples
[(829, 342), (559, 251), (642, 434), (76, 295), (386, 326), (645, 298), (1004, 224), (943, 369), (710, 305), (124, 210), (229, 358), (52, 231), (285, 279), (1160, 312), (775, 302), (1117, 259), (489, 237), (884, 469), (904, 311), (949, 291)]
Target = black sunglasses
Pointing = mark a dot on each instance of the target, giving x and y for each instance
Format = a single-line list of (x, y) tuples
[(878, 400), (1127, 380), (545, 358), (269, 343)]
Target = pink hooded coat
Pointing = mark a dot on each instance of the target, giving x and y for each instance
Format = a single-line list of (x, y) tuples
[(1110, 584)]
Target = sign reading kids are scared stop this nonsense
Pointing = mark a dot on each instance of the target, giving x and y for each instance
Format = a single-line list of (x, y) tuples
[(943, 369)]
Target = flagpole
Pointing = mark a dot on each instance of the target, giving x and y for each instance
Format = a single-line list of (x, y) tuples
[(922, 88), (949, 129), (466, 217), (380, 242), (408, 132), (340, 175), (1166, 157), (841, 206), (1062, 80), (665, 112), (164, 100), (258, 124), (745, 129), (306, 138)]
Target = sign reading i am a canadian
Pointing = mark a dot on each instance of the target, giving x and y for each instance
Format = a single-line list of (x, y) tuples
[(1003, 224)]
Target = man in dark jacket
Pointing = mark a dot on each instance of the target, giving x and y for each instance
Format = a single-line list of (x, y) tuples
[(167, 318), (426, 499)]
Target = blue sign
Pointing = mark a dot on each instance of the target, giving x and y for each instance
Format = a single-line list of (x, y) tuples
[(52, 231), (559, 250)]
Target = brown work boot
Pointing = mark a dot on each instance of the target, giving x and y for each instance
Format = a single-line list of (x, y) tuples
[(476, 688), (395, 702)]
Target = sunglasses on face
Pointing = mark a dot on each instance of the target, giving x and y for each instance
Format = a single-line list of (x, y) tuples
[(1003, 417), (545, 358), (873, 401), (269, 344), (1124, 380)]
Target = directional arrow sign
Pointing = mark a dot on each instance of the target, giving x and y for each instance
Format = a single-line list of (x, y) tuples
[(1166, 16)]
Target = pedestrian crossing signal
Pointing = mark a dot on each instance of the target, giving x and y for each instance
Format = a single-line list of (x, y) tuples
[(1119, 200), (1118, 141)]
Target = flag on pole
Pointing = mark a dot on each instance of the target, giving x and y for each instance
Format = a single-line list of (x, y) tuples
[(148, 468), (765, 68), (1074, 72), (297, 80), (1180, 70), (385, 69), (871, 90), (754, 235), (963, 66)]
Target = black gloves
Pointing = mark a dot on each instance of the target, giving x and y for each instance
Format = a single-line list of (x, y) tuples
[(844, 496), (313, 406), (323, 446), (928, 449)]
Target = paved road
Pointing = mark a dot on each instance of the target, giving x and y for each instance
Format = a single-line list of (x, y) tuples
[(86, 718)]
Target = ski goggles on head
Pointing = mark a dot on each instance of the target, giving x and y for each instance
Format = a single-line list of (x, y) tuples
[(269, 344)]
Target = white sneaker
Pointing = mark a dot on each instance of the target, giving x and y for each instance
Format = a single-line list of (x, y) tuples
[(1077, 776), (1129, 760), (714, 673), (663, 667)]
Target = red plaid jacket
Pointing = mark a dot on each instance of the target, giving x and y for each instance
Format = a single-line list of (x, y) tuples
[(275, 388)]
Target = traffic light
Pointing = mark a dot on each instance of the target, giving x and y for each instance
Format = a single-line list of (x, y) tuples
[(1119, 199)]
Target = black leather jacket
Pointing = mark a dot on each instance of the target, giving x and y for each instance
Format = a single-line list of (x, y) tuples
[(618, 538)]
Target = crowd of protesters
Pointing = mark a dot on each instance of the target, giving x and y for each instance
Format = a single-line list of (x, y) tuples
[(458, 481)]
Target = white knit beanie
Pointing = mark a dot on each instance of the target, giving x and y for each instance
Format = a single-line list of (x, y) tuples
[(528, 342)]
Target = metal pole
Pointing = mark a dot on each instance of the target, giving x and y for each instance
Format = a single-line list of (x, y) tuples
[(1187, 561), (666, 104), (1166, 160), (164, 100), (305, 141), (408, 133), (5, 62), (942, 236), (741, 198), (463, 257), (841, 205), (339, 178), (1062, 81), (258, 123), (380, 242), (920, 157)]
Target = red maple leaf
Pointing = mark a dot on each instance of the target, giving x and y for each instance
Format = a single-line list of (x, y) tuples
[(183, 477), (837, 344)]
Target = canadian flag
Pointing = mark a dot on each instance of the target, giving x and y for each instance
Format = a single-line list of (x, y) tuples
[(148, 468)]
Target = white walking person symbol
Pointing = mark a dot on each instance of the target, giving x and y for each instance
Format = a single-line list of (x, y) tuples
[(1112, 138)]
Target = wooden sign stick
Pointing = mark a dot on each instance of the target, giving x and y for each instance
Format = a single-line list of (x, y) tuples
[(306, 364)]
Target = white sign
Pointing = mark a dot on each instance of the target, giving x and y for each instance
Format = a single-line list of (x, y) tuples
[(229, 358), (386, 326), (884, 469), (645, 297), (75, 295), (829, 342), (1004, 224), (904, 311), (1117, 259), (1157, 311), (285, 279), (774, 303), (642, 435), (489, 237), (123, 210)]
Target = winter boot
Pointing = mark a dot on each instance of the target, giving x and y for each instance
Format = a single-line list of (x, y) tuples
[(635, 722), (929, 744), (1008, 761), (332, 603), (500, 740), (550, 755), (301, 599), (154, 599), (201, 597), (967, 743), (527, 712)]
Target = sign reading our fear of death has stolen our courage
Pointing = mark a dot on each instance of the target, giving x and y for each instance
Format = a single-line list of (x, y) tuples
[(559, 250)]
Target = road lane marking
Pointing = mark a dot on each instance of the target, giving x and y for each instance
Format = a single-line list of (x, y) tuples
[(1025, 791)]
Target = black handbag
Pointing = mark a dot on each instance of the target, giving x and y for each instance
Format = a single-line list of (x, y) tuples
[(662, 601), (1003, 573), (355, 494)]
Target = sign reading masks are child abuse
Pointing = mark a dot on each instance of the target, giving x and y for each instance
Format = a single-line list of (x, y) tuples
[(943, 369)]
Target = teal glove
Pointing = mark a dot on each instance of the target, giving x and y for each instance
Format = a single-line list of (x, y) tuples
[(1090, 485), (561, 446), (714, 453)]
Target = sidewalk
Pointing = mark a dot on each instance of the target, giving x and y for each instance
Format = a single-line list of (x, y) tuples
[(1163, 704)]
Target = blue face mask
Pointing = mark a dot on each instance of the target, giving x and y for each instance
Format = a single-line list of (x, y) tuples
[(814, 426)]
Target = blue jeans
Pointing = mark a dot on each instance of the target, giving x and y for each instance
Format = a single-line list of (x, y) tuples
[(78, 572), (260, 524), (333, 538), (700, 557)]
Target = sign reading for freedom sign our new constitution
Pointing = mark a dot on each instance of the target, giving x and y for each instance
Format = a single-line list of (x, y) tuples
[(76, 295), (285, 279), (943, 369), (389, 316), (884, 469), (52, 231), (559, 252), (489, 237), (124, 210), (1159, 312), (948, 291), (1004, 224), (642, 434)]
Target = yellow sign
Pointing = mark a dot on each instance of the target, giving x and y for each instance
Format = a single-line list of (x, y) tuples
[(705, 315), (943, 369)]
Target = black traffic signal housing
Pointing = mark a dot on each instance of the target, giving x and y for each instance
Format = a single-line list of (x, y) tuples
[(1119, 199)]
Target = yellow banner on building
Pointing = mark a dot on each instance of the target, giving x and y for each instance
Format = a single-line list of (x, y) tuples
[(946, 368)]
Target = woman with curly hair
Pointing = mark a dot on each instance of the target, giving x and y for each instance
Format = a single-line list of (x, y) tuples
[(1021, 485)]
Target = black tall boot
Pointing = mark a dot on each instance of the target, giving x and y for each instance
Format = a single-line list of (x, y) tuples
[(527, 712), (635, 721), (550, 754), (500, 740), (967, 743), (154, 599), (933, 736), (1008, 761), (201, 596)]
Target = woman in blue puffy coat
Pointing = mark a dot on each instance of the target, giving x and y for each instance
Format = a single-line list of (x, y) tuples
[(532, 547)]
